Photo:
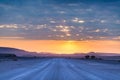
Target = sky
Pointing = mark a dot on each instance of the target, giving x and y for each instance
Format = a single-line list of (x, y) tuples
[(64, 47), (69, 20)]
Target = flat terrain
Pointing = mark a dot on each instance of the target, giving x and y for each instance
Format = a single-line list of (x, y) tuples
[(59, 69)]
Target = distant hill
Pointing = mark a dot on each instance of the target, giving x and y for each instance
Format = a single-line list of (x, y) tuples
[(19, 52), (103, 54)]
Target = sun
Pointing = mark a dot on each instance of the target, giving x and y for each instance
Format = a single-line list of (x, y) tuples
[(69, 47)]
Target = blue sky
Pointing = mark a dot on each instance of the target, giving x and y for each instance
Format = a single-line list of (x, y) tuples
[(60, 19)]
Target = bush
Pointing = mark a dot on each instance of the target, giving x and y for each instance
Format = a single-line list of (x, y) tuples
[(93, 57), (100, 59), (87, 57), (15, 59)]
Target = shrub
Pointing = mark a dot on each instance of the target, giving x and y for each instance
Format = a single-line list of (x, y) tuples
[(100, 59), (87, 57), (93, 57), (15, 59)]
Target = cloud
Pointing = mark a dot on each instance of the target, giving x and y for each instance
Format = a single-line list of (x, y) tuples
[(60, 19), (11, 38), (56, 32)]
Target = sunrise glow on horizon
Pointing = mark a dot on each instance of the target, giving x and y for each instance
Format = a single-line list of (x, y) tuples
[(61, 26), (64, 47)]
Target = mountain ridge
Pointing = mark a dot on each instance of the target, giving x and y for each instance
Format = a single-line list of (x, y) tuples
[(20, 52)]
